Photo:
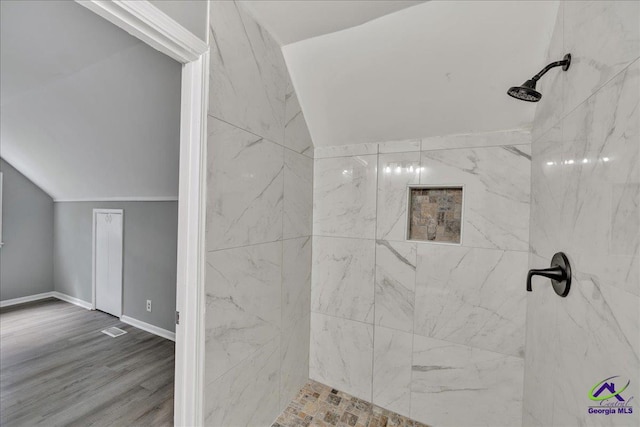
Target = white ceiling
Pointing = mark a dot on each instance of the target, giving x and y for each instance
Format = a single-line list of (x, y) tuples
[(88, 111), (438, 68), (290, 21)]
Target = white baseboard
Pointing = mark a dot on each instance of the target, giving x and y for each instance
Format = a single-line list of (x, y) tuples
[(44, 295), (87, 305), (72, 300), (149, 328), (22, 300)]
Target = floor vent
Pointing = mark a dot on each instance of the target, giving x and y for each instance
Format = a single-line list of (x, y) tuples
[(113, 332)]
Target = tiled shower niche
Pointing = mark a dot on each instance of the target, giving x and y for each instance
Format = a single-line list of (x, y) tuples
[(435, 214)]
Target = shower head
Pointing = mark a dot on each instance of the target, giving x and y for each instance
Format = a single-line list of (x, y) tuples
[(528, 92)]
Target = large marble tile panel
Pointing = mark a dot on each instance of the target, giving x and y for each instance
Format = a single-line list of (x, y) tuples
[(341, 354), (243, 287), (547, 236), (598, 336), (395, 173), (344, 197), (486, 139), (248, 80), (343, 277), (472, 296), (401, 146), (540, 363), (496, 184), (602, 183), (603, 37), (392, 354), (294, 359), (456, 385), (298, 195), (349, 150), (296, 294), (395, 284), (296, 132), (247, 395), (550, 109), (244, 186), (296, 280)]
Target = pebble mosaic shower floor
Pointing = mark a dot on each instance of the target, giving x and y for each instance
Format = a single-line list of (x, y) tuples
[(318, 405)]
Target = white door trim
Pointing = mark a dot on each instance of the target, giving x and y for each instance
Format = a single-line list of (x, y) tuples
[(93, 253), (146, 22)]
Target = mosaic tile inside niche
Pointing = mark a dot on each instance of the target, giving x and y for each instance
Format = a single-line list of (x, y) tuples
[(435, 214), (318, 405)]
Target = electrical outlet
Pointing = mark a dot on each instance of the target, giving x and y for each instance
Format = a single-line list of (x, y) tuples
[(148, 305)]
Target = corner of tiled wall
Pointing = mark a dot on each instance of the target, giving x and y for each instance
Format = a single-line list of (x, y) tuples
[(258, 234), (585, 192)]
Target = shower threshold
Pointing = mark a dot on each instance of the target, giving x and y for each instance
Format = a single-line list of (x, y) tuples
[(318, 405)]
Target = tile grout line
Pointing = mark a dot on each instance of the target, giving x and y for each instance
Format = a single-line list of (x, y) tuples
[(425, 244), (471, 147), (311, 239), (477, 147), (415, 291), (421, 139), (256, 244), (284, 179), (259, 136), (561, 123), (375, 277)]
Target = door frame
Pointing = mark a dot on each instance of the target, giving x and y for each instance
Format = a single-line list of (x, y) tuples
[(149, 24), (97, 211)]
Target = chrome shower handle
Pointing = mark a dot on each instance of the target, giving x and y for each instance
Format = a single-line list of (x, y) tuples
[(559, 273)]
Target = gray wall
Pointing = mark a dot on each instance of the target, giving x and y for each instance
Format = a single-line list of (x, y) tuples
[(79, 128), (150, 250), (26, 262), (585, 197)]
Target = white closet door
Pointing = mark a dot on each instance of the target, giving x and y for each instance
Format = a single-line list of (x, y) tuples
[(108, 262)]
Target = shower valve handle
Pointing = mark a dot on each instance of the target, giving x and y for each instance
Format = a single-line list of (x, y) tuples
[(555, 273), (559, 273)]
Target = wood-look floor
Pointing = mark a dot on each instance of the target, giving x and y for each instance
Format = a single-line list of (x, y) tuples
[(57, 368)]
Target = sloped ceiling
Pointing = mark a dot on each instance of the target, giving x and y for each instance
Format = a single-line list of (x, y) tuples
[(438, 68), (290, 21), (88, 111)]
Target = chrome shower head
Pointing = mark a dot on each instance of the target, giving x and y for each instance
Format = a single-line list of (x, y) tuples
[(528, 92)]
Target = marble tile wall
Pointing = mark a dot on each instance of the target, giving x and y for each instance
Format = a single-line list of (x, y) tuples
[(431, 331), (585, 198), (258, 230)]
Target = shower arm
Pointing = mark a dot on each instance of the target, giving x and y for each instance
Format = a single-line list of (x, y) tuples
[(564, 64)]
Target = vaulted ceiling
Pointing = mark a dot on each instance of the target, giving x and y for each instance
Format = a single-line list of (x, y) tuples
[(88, 111), (85, 105), (290, 21), (436, 68)]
